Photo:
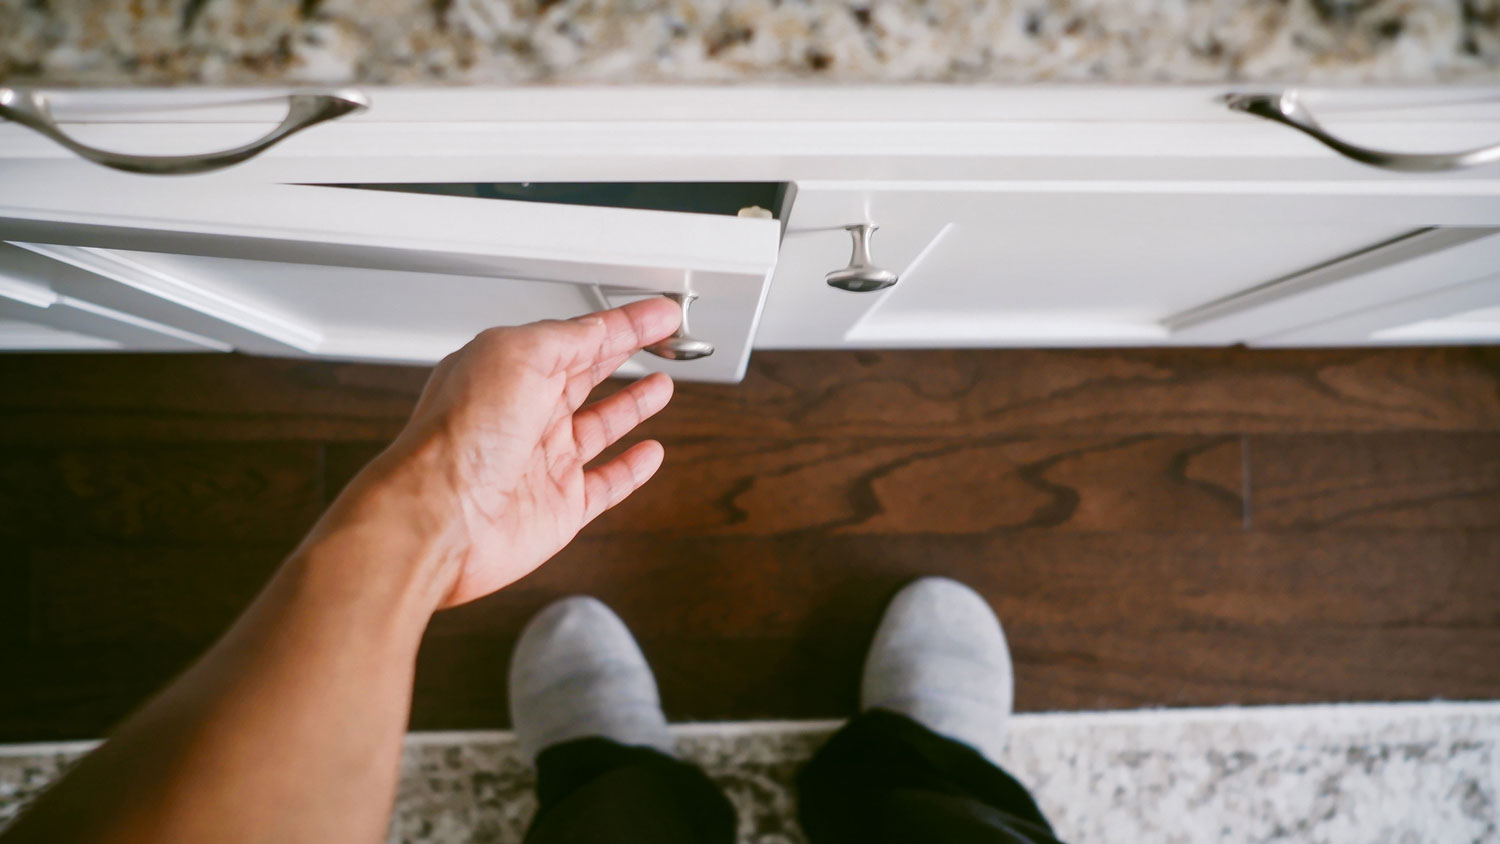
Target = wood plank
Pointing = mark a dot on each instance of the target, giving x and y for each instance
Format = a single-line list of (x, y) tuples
[(762, 486), (811, 584), (1096, 498), (260, 492), (58, 693), (1413, 480), (103, 595), (70, 399), (343, 460), (968, 392), (15, 595), (1298, 664), (776, 627)]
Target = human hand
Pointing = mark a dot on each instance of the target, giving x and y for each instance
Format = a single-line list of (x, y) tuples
[(496, 448)]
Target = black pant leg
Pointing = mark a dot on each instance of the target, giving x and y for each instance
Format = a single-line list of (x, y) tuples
[(886, 778), (597, 791)]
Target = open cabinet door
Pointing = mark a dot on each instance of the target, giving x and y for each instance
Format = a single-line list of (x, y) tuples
[(341, 272)]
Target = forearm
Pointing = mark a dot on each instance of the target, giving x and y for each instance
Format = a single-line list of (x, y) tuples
[(289, 728)]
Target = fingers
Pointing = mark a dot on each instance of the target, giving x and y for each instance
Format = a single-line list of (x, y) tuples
[(608, 485), (581, 384), (630, 327), (604, 422)]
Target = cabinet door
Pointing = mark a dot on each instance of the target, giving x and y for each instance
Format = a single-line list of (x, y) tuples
[(1029, 263), (348, 273), (1437, 286), (35, 315)]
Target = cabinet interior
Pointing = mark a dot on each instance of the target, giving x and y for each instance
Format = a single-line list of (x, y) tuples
[(688, 197)]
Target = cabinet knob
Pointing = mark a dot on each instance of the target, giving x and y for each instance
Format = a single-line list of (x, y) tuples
[(681, 346), (861, 276)]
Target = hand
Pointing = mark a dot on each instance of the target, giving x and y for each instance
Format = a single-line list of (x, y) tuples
[(498, 442)]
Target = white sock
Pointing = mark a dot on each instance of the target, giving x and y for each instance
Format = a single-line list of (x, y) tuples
[(576, 673), (940, 658)]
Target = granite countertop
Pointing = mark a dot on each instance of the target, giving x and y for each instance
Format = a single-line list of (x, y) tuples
[(247, 42)]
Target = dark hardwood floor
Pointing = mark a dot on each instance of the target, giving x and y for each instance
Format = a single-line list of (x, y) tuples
[(1154, 527)]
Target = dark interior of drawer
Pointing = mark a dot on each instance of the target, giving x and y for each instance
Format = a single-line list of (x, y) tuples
[(691, 197)]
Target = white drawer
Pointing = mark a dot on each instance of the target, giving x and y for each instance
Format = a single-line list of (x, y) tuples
[(363, 274)]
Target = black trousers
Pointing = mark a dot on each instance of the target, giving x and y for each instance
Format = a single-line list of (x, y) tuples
[(882, 778)]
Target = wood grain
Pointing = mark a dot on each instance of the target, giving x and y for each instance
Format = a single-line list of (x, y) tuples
[(254, 493), (60, 692), (760, 486), (71, 399), (777, 626), (1416, 481), (158, 593), (1154, 527), (731, 586), (15, 596)]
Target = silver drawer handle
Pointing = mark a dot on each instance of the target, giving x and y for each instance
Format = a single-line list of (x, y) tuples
[(30, 108), (1286, 109), (681, 345)]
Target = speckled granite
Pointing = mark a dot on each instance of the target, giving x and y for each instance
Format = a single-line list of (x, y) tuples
[(1374, 774), (106, 42)]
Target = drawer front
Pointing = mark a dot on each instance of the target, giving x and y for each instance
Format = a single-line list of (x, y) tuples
[(685, 133), (345, 273), (1027, 264)]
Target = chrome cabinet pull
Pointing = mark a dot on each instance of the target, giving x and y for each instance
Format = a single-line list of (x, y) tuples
[(681, 346), (1285, 108), (861, 276), (31, 109)]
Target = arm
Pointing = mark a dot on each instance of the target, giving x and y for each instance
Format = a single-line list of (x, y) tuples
[(289, 729)]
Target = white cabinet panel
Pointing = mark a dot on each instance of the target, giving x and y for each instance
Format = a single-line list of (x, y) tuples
[(1430, 274), (346, 273), (1478, 325), (1437, 286), (21, 336), (1457, 314), (1023, 264), (42, 311)]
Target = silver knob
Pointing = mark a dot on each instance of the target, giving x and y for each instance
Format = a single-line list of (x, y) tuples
[(680, 346), (861, 276)]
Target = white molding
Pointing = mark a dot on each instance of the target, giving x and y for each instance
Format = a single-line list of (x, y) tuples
[(144, 324), (1367, 325), (1407, 267), (128, 330), (18, 336), (184, 292), (26, 292)]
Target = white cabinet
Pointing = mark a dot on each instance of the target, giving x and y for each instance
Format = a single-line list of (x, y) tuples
[(1034, 216), (361, 274), (48, 306), (1144, 263)]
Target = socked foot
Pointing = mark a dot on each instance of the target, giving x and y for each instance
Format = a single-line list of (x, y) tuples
[(578, 673), (940, 658)]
